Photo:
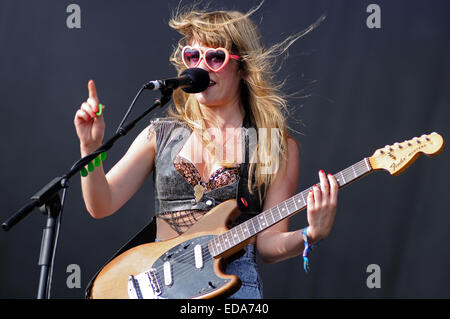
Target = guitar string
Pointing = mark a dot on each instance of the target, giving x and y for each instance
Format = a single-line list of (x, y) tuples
[(189, 256)]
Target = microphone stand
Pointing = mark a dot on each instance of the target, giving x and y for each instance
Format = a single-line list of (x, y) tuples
[(50, 203)]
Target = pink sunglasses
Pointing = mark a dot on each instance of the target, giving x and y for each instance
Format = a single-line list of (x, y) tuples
[(215, 59)]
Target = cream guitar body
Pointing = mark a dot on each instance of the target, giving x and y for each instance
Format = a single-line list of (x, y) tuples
[(192, 274)]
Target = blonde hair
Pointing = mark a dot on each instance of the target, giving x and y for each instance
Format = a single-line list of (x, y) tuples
[(260, 93)]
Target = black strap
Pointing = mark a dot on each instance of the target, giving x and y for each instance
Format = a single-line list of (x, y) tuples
[(248, 203)]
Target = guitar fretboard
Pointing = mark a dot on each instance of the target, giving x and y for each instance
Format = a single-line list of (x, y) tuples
[(291, 206)]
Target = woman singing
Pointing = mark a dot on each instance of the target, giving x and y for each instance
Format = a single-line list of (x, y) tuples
[(194, 154)]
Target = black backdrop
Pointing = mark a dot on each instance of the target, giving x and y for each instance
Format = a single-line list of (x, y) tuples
[(359, 90)]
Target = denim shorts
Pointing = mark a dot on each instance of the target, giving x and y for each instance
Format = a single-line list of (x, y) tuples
[(246, 269)]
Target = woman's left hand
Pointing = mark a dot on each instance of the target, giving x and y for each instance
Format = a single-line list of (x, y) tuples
[(322, 204)]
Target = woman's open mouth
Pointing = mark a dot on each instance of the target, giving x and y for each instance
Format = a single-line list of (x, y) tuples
[(211, 83)]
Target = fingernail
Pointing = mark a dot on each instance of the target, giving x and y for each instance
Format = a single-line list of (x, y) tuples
[(321, 171)]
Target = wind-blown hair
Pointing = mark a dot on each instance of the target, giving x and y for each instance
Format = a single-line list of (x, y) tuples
[(260, 94)]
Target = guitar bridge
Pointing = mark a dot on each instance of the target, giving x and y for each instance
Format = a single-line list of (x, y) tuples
[(144, 285)]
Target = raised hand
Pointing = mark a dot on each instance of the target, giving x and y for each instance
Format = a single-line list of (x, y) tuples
[(89, 126)]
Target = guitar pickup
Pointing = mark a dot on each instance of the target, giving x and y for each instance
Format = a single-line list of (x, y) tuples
[(198, 257)]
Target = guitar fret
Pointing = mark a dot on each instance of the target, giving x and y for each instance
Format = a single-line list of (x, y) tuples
[(292, 207), (366, 161), (267, 215), (303, 203), (254, 227), (262, 219), (282, 210), (257, 228), (232, 238), (236, 234), (305, 199), (243, 232), (231, 241), (221, 243), (216, 245), (227, 240), (343, 178), (294, 200), (285, 208), (246, 229), (273, 216), (276, 213), (211, 247)]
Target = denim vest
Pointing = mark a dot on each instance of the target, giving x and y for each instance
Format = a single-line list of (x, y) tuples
[(174, 193)]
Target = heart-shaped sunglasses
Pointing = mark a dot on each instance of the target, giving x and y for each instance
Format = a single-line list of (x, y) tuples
[(215, 59)]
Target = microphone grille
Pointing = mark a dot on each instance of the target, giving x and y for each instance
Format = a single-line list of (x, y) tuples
[(199, 78)]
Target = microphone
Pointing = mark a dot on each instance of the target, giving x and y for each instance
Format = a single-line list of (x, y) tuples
[(192, 80)]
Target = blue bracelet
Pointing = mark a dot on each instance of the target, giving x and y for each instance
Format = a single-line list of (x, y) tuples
[(306, 250)]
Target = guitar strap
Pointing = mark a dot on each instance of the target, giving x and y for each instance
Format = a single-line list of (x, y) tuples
[(249, 204)]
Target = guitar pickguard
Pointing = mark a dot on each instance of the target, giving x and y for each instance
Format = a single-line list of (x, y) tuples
[(178, 273)]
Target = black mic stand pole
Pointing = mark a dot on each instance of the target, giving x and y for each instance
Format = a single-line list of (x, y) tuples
[(49, 201)]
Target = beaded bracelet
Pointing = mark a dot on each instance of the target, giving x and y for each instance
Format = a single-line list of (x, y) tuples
[(91, 166), (306, 250)]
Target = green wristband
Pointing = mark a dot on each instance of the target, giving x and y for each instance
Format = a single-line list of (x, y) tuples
[(91, 166)]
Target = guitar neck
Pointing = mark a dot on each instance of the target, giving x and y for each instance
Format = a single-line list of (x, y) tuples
[(285, 209)]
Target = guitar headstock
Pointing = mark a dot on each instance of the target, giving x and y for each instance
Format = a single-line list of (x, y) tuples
[(397, 157)]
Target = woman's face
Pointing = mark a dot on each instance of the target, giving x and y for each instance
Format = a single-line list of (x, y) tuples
[(224, 85)]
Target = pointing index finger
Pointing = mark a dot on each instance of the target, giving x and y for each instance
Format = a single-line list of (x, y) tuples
[(92, 90)]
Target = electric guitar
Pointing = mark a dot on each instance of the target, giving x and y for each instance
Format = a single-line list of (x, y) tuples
[(192, 265)]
